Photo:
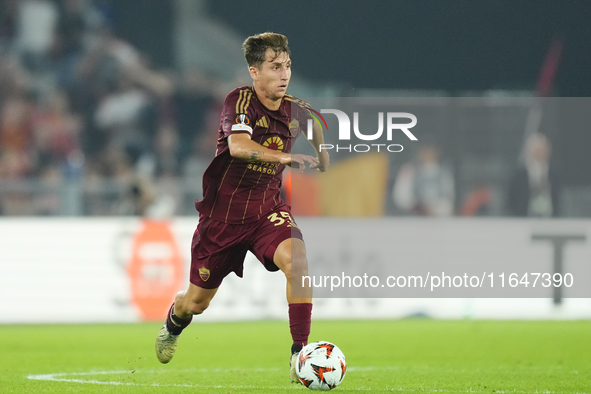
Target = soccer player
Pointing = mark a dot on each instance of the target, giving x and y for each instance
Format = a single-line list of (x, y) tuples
[(242, 209)]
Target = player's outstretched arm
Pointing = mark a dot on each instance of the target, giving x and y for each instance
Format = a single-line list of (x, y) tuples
[(242, 147), (317, 141)]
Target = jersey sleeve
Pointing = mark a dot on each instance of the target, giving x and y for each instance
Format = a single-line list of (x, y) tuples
[(238, 114)]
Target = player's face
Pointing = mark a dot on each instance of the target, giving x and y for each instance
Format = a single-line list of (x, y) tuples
[(273, 75)]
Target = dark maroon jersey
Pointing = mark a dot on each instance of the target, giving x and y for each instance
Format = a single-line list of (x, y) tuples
[(238, 191)]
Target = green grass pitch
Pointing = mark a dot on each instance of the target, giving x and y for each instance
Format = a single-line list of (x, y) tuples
[(411, 355)]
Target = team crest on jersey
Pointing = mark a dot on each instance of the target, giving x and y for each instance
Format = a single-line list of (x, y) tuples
[(204, 274), (294, 126), (274, 143)]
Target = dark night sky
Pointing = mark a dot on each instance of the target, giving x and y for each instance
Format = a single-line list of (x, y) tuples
[(427, 44)]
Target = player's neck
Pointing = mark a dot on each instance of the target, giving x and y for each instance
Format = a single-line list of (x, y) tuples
[(269, 103)]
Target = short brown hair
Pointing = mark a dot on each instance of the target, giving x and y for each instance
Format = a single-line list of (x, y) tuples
[(255, 47)]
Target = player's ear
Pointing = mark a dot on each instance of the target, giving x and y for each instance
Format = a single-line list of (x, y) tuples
[(254, 72)]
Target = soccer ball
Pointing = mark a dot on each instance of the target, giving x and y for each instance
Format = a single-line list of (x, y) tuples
[(321, 366)]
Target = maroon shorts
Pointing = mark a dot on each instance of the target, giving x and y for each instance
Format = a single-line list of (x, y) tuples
[(219, 248)]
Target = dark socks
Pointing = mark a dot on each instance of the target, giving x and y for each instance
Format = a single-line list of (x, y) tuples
[(296, 348), (174, 324)]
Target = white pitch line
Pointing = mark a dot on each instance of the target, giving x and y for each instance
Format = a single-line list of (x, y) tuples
[(60, 377), (57, 377)]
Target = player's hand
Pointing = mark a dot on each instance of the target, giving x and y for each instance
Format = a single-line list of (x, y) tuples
[(299, 161), (323, 160)]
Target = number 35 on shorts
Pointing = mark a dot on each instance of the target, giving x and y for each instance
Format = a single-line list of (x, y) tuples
[(279, 218)]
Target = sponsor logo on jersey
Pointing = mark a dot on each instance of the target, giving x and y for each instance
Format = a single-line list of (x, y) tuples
[(265, 168), (274, 143)]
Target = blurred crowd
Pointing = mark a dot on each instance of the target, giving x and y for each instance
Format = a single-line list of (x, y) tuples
[(79, 102), (425, 186), (90, 126)]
